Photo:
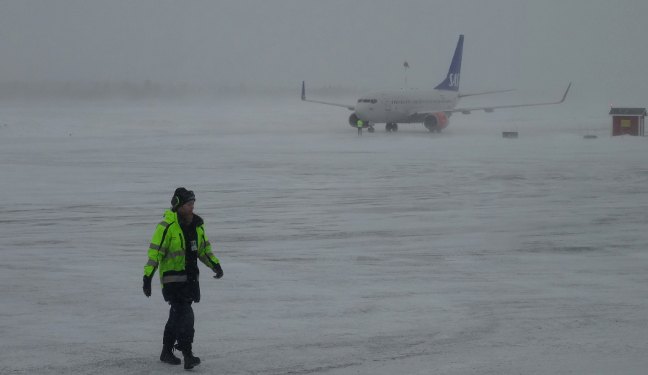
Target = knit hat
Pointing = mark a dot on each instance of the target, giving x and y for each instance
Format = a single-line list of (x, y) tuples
[(180, 197)]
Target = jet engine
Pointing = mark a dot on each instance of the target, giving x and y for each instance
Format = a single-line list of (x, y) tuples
[(436, 122), (353, 120)]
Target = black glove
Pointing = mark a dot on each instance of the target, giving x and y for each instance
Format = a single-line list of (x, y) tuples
[(147, 285), (218, 270)]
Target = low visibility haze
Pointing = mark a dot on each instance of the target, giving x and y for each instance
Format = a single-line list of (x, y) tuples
[(460, 252), (358, 45), (408, 253)]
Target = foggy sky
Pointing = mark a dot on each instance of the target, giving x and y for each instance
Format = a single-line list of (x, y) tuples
[(597, 44)]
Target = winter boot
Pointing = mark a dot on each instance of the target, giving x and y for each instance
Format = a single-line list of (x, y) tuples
[(168, 357), (189, 360)]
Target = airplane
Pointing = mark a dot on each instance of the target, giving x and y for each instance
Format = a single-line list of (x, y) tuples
[(432, 108)]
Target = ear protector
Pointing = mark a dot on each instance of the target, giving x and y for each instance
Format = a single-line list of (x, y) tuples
[(175, 201), (180, 197)]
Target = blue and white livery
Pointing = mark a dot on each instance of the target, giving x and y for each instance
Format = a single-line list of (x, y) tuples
[(432, 108)]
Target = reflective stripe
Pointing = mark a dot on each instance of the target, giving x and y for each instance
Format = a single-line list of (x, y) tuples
[(164, 224), (174, 279), (203, 245), (154, 246), (176, 254), (151, 262), (163, 251)]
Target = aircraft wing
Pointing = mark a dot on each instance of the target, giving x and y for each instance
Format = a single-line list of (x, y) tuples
[(303, 98), (467, 110), (462, 95)]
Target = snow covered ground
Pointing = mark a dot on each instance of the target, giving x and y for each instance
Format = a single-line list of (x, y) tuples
[(409, 253)]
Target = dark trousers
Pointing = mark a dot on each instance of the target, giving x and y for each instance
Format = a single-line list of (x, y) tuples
[(180, 326)]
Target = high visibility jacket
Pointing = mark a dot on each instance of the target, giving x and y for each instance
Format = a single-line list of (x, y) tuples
[(360, 123), (167, 250)]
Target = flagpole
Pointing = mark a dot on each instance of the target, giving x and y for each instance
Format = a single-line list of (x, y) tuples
[(405, 67)]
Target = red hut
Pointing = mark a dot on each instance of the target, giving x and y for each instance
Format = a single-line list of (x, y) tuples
[(628, 121)]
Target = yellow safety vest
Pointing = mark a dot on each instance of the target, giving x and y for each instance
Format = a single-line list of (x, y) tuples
[(167, 250)]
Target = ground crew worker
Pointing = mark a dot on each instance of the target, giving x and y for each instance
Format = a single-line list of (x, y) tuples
[(360, 124), (178, 242)]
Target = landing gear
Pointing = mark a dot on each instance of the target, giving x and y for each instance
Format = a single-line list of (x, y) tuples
[(371, 129), (391, 127)]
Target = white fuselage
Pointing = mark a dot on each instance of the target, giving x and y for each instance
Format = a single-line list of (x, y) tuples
[(403, 106)]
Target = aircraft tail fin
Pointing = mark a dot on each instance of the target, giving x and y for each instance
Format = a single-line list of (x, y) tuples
[(451, 82)]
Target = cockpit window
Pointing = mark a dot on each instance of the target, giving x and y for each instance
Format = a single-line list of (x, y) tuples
[(367, 101)]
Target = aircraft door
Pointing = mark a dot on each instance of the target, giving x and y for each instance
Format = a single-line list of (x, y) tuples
[(386, 103)]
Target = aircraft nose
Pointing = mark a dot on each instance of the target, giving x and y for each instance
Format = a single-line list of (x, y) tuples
[(362, 110), (364, 107)]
